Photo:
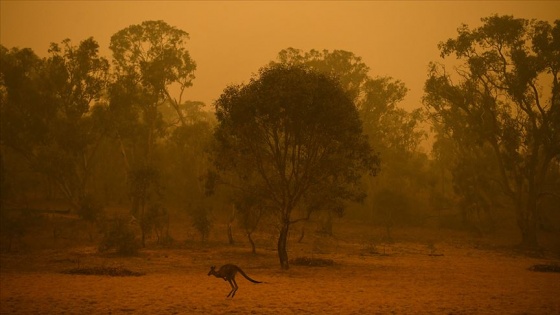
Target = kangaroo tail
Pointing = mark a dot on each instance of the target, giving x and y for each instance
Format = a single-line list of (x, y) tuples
[(246, 276)]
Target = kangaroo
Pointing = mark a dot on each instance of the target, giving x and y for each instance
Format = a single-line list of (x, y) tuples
[(228, 272)]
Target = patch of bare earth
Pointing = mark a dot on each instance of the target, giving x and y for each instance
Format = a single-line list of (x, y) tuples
[(403, 279)]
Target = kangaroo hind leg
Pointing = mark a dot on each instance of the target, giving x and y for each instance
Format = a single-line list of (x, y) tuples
[(235, 287)]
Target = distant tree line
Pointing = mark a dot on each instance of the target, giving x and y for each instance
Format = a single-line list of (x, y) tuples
[(312, 134)]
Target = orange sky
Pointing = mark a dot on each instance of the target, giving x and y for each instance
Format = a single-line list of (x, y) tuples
[(231, 40)]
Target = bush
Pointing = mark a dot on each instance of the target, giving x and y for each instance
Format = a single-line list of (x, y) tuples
[(118, 235), (202, 221)]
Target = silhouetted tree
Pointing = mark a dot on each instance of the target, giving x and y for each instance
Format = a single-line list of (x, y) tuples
[(504, 98), (48, 113), (250, 211), (394, 132), (287, 131), (201, 220), (186, 154), (375, 97), (153, 55), (393, 208), (149, 59), (118, 235), (146, 194)]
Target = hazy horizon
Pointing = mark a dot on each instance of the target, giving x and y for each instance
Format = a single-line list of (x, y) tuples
[(231, 40)]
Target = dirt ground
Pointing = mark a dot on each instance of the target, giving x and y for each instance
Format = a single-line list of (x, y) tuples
[(406, 277)]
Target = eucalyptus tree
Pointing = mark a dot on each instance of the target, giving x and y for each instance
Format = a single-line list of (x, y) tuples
[(151, 61), (376, 98), (287, 133), (251, 211), (49, 112), (394, 132), (186, 153), (503, 98)]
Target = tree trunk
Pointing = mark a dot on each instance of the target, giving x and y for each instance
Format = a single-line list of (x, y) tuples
[(143, 223), (253, 247), (326, 223), (302, 235), (282, 242), (230, 234), (230, 226), (527, 215), (529, 236)]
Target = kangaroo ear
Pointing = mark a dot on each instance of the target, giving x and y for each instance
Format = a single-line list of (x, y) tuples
[(212, 267)]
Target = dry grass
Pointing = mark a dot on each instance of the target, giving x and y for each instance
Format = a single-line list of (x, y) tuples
[(366, 277)]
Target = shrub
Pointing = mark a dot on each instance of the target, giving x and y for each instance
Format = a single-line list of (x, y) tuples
[(118, 235), (202, 221)]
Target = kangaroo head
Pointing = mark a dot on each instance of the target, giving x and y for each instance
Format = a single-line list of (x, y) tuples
[(212, 270)]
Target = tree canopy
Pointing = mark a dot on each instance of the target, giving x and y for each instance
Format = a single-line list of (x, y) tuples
[(288, 135), (48, 112), (392, 131), (376, 98), (503, 98)]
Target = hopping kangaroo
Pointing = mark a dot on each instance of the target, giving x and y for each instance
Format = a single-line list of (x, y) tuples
[(228, 272)]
